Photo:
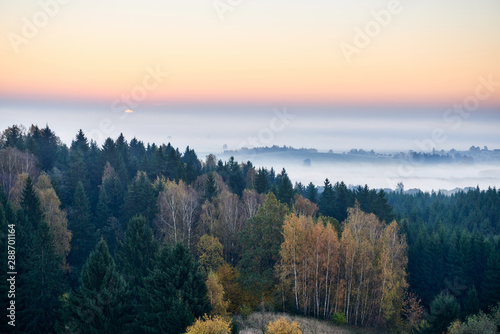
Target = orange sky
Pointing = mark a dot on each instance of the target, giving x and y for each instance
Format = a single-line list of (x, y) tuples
[(261, 51)]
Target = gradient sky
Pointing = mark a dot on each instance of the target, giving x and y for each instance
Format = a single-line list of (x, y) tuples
[(432, 52)]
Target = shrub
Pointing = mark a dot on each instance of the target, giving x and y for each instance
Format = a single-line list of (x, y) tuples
[(281, 326), (245, 311), (210, 325), (338, 319)]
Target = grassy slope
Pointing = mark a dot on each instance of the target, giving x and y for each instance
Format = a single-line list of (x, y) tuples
[(257, 321)]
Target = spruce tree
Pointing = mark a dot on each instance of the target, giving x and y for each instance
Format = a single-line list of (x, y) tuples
[(490, 287), (210, 187), (312, 193), (140, 199), (137, 253), (30, 205), (261, 182), (327, 201), (285, 189), (82, 226), (175, 293), (101, 304), (41, 284)]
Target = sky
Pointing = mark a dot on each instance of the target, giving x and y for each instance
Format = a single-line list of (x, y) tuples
[(413, 51), (384, 75)]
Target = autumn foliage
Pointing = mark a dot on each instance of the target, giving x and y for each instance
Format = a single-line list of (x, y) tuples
[(361, 274)]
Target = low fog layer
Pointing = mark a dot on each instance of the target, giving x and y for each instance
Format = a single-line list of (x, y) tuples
[(212, 129)]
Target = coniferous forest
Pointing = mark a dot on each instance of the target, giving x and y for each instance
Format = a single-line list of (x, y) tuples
[(128, 237)]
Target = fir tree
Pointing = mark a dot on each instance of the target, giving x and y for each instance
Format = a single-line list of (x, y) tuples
[(491, 282), (138, 252), (140, 198), (101, 304), (285, 189), (210, 187), (327, 201), (312, 193), (262, 182), (175, 293), (30, 205), (41, 285), (82, 226)]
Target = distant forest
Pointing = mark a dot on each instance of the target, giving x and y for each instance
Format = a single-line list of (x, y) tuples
[(130, 237)]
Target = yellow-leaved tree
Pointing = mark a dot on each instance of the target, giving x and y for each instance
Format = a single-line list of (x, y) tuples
[(210, 325), (282, 326), (55, 217)]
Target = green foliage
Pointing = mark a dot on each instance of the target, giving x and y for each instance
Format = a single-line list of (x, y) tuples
[(444, 309), (261, 241), (475, 324), (40, 285), (43, 143), (101, 304), (261, 182), (209, 254), (210, 187), (471, 302), (285, 189), (138, 252), (338, 318), (327, 200), (312, 193), (192, 166), (81, 224), (140, 198), (174, 293), (235, 327), (491, 282), (30, 205), (245, 311)]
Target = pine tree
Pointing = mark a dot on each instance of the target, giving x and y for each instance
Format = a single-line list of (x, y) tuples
[(262, 182), (41, 285), (174, 295), (101, 304), (82, 226)]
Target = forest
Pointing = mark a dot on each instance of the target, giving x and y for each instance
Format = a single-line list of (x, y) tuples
[(130, 237)]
